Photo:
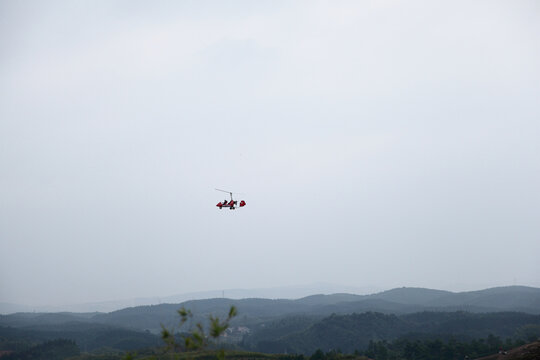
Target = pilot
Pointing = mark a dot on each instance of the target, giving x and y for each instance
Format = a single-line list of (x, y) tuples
[(224, 202)]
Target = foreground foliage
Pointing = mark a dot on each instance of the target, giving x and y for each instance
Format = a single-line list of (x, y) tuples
[(198, 336)]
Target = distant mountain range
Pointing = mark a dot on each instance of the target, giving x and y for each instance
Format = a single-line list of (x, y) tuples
[(284, 292), (302, 325), (255, 310), (514, 297)]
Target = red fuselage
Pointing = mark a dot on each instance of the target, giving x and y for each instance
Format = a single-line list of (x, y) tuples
[(230, 204)]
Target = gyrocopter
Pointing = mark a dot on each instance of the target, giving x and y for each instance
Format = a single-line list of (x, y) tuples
[(229, 204)]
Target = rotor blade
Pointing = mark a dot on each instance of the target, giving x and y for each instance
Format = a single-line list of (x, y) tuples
[(225, 191)]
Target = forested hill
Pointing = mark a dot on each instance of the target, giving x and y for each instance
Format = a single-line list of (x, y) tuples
[(88, 336), (349, 333)]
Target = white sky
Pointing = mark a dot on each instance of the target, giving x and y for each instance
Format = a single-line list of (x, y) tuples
[(378, 143)]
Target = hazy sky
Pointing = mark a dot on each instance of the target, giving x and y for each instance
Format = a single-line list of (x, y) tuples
[(377, 143)]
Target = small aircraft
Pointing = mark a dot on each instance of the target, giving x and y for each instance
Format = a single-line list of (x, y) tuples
[(230, 204)]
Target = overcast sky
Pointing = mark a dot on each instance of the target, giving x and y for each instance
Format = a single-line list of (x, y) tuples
[(376, 143)]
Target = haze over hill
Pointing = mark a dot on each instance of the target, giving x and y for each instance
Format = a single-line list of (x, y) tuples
[(287, 292), (518, 298), (395, 301)]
